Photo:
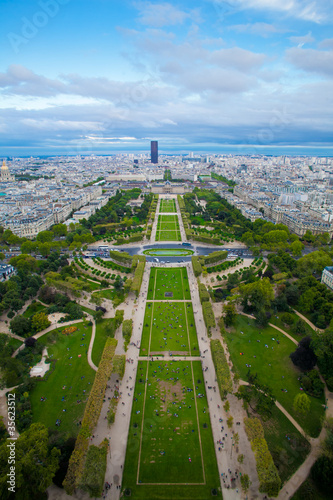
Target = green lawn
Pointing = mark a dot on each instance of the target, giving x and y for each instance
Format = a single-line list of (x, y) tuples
[(170, 450), (34, 308), (309, 491), (172, 280), (99, 342), (107, 294), (169, 326), (288, 447), (276, 320), (273, 366), (168, 228), (168, 206), (72, 380)]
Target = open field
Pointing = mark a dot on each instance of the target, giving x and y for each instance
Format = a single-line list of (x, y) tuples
[(288, 447), (168, 228), (172, 281), (168, 206), (169, 326), (34, 308), (170, 451), (266, 352), (67, 389), (100, 338)]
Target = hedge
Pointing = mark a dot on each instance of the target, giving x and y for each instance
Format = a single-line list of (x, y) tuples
[(118, 365), (208, 315), (119, 316), (269, 479), (90, 418), (138, 276), (221, 367), (127, 332), (123, 257), (197, 269), (214, 257), (206, 239), (203, 293), (92, 479)]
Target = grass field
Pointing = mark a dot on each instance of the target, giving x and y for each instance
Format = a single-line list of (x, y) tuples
[(34, 308), (288, 447), (273, 366), (69, 383), (168, 206), (169, 326), (171, 281), (100, 339), (276, 320), (170, 450), (168, 228)]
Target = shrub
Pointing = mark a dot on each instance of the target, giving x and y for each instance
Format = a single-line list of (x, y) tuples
[(197, 269), (92, 479), (269, 479), (208, 315), (127, 332), (221, 368), (203, 293)]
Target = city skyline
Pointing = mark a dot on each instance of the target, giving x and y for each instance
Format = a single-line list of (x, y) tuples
[(236, 76)]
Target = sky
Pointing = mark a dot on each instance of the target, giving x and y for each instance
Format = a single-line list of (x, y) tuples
[(104, 76)]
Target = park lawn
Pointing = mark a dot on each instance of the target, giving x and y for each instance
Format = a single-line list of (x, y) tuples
[(71, 377), (288, 447), (168, 280), (167, 218), (168, 226), (34, 308), (108, 294), (92, 312), (169, 326), (168, 252), (277, 322), (100, 338), (168, 236), (166, 429), (168, 206), (89, 286), (14, 343), (271, 364)]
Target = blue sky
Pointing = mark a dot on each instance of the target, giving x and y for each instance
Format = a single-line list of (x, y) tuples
[(84, 76)]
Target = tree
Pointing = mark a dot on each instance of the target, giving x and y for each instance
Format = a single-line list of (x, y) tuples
[(229, 314), (322, 345), (245, 483), (35, 464), (257, 295), (296, 248), (304, 356), (45, 236), (59, 230), (314, 262), (322, 473), (99, 316), (226, 406), (302, 403), (20, 325), (39, 322), (230, 421)]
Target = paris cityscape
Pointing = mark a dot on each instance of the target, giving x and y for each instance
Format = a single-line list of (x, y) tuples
[(166, 223)]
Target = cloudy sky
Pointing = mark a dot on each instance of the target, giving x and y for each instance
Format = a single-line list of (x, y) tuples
[(82, 76)]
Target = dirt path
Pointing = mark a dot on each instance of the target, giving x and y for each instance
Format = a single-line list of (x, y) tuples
[(304, 318)]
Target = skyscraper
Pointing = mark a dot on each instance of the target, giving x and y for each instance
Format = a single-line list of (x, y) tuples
[(154, 151)]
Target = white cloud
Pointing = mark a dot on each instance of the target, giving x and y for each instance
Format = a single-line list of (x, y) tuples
[(261, 29), (163, 14), (311, 60), (301, 40), (317, 11)]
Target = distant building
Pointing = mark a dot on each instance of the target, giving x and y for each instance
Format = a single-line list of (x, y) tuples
[(154, 151), (5, 175), (327, 277), (6, 271)]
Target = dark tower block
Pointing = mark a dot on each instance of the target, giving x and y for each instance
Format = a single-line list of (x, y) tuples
[(154, 152)]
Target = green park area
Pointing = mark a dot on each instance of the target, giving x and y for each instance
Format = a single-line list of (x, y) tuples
[(168, 252), (168, 284), (168, 228), (266, 352), (170, 451), (168, 206), (169, 326), (62, 397)]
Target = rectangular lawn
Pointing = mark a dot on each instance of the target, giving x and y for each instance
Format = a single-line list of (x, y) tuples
[(168, 228), (169, 326), (168, 281), (168, 206), (170, 451), (66, 390)]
